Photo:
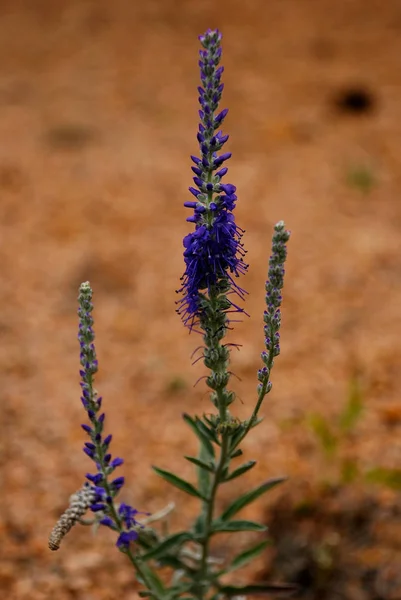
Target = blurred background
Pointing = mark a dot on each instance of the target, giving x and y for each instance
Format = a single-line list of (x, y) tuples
[(98, 117)]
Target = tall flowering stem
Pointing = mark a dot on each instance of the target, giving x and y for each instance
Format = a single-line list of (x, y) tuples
[(214, 259), (213, 251), (120, 518)]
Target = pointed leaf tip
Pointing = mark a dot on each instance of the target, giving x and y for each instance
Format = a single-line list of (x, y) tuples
[(249, 497), (179, 483)]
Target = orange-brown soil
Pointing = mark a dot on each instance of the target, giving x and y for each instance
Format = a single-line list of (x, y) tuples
[(97, 121)]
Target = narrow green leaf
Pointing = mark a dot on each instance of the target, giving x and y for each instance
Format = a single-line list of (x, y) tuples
[(173, 541), (240, 525), (177, 590), (147, 537), (249, 497), (204, 476), (224, 473), (173, 563), (200, 463), (199, 525), (354, 407), (237, 437), (203, 434), (388, 477), (179, 483), (324, 434), (242, 469), (236, 453), (210, 419), (158, 589), (247, 556), (349, 471), (258, 589), (208, 431), (361, 177), (257, 422)]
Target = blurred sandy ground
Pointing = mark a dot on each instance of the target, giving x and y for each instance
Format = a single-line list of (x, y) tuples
[(98, 115)]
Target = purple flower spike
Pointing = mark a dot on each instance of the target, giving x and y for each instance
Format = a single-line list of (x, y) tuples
[(104, 491), (214, 254)]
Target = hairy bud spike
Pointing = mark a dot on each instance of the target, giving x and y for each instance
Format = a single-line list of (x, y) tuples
[(79, 504)]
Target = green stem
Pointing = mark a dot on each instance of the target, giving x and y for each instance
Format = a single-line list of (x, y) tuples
[(210, 513), (140, 572), (209, 506), (212, 340), (254, 415), (135, 562), (261, 397)]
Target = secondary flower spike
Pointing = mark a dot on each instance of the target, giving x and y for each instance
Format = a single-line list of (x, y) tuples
[(104, 489), (272, 314), (213, 252)]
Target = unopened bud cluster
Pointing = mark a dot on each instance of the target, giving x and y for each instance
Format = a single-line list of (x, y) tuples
[(272, 314)]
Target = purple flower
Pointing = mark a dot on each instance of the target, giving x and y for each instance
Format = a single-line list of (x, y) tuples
[(213, 252), (127, 514), (125, 538), (96, 479)]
